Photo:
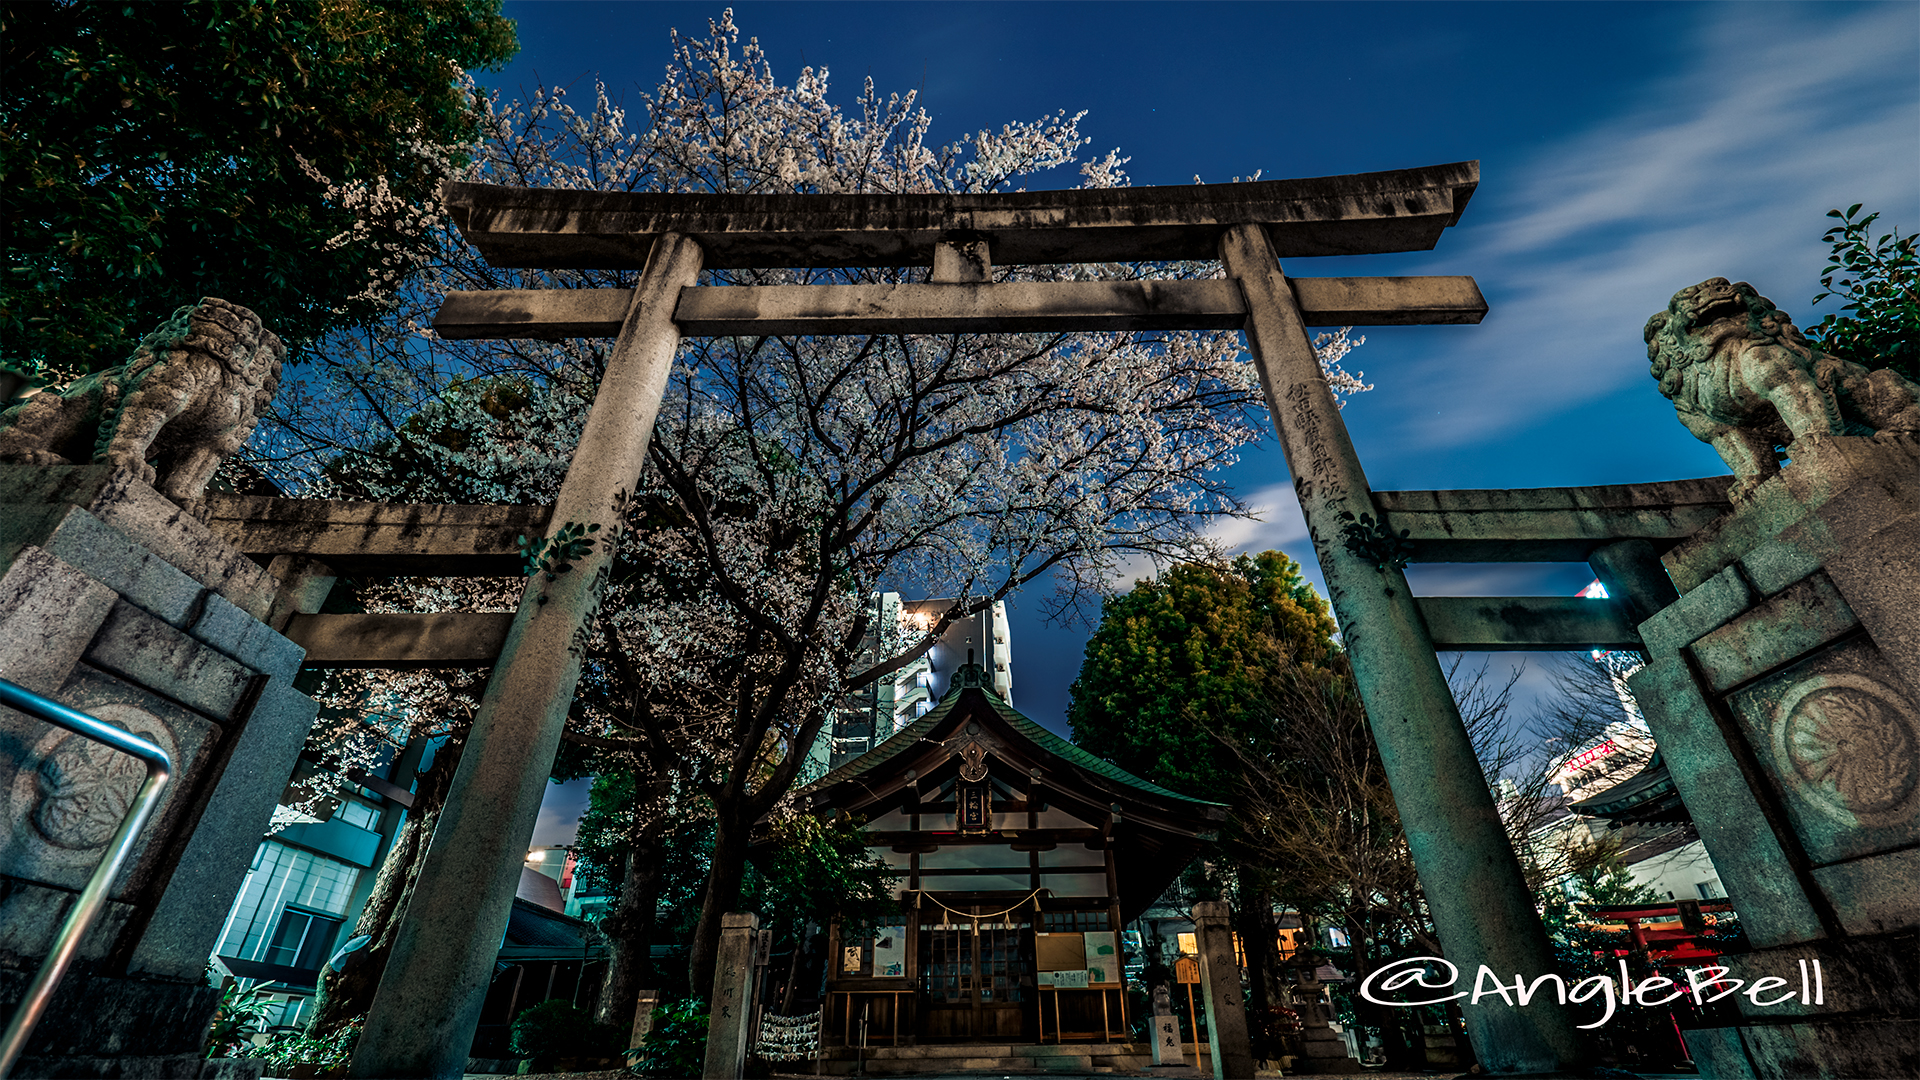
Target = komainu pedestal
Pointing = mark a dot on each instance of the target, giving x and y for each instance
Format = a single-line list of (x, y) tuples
[(1784, 690), (116, 602)]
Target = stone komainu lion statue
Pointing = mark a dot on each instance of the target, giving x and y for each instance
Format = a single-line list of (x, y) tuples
[(188, 398), (1744, 380)]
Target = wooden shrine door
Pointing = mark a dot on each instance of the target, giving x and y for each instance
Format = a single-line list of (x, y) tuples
[(976, 977)]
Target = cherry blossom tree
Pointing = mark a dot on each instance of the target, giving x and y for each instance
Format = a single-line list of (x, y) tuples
[(788, 478)]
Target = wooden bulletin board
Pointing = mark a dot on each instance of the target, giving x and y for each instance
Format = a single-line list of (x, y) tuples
[(1060, 952)]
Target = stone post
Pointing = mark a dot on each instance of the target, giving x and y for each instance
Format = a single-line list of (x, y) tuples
[(1220, 982), (649, 1000), (1165, 1031), (423, 1016), (115, 602), (730, 1023), (1474, 888)]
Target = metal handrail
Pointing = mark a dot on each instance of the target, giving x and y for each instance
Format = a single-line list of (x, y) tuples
[(94, 896)]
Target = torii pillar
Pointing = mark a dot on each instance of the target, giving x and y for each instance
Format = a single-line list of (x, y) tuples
[(1480, 902), (429, 1000)]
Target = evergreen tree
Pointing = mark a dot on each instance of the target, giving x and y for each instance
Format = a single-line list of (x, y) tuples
[(1194, 654), (1179, 685), (283, 155)]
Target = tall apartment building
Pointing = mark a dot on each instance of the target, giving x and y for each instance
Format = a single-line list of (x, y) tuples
[(874, 712)]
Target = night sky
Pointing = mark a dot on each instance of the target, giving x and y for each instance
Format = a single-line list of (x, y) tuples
[(1626, 151)]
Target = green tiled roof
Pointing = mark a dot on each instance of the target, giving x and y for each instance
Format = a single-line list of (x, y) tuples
[(964, 679)]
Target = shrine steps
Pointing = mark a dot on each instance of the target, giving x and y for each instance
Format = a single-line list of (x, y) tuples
[(1002, 1058)]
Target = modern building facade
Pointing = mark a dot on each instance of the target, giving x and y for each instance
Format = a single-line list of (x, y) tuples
[(309, 882), (1615, 787), (871, 714), (311, 879)]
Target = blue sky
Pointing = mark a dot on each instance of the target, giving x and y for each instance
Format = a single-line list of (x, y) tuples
[(1626, 151)]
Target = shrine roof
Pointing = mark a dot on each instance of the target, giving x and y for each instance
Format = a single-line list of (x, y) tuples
[(972, 677), (1647, 797)]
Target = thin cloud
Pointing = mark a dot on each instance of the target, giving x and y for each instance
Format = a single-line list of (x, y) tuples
[(1725, 170), (1276, 524)]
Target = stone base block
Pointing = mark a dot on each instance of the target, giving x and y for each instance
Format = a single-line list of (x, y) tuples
[(1802, 1051), (1864, 1022), (159, 1067), (98, 1015), (145, 1067)]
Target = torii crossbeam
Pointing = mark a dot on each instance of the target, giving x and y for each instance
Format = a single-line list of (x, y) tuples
[(425, 1011)]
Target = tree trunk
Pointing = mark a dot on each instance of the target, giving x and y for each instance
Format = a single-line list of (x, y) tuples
[(793, 968), (1400, 1038), (343, 997), (1253, 919), (629, 930), (724, 879)]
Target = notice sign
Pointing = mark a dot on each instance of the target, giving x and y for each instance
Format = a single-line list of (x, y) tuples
[(890, 952), (1070, 980), (850, 960), (1103, 957)]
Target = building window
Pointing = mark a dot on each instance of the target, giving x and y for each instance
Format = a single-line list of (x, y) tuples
[(1057, 922), (284, 878), (358, 814), (302, 940)]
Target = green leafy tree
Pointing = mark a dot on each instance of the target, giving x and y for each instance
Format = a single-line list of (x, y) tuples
[(1193, 651), (281, 154), (644, 848), (560, 1029), (1178, 686), (805, 874), (813, 873), (1879, 284), (1582, 949)]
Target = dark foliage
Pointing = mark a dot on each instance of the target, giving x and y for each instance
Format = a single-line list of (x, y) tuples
[(151, 154), (677, 1044), (1879, 284), (560, 1028)]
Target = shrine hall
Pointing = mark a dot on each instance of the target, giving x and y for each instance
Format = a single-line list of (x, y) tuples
[(1020, 857)]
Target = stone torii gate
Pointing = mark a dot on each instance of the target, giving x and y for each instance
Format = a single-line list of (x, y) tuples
[(426, 1008)]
